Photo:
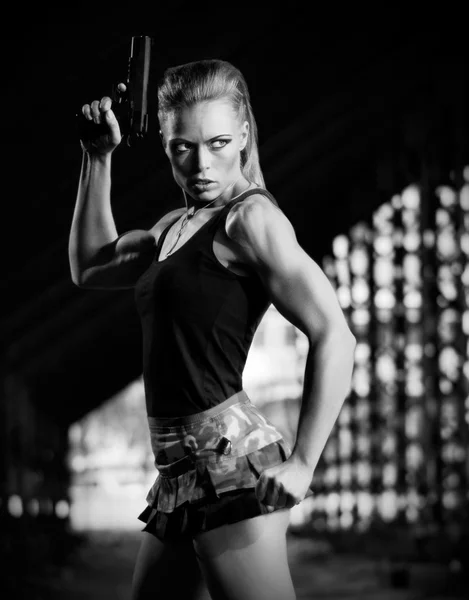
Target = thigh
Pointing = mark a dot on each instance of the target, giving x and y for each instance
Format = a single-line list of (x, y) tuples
[(167, 570), (247, 560)]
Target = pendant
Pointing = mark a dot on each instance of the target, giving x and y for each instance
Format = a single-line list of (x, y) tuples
[(190, 212)]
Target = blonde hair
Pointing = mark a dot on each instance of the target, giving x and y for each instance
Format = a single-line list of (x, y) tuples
[(213, 79)]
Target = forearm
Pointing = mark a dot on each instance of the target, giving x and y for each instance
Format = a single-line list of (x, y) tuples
[(93, 223), (327, 381)]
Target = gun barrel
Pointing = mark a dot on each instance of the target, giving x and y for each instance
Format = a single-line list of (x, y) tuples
[(138, 81)]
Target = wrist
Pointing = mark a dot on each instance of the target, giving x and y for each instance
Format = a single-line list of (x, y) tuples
[(98, 159), (298, 457)]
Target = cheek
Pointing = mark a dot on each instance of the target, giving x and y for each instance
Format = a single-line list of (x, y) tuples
[(179, 165), (178, 172), (229, 159)]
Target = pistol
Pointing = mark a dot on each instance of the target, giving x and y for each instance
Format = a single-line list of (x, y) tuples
[(132, 105)]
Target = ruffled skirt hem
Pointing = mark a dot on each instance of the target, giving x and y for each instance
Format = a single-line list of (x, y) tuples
[(191, 519), (211, 494)]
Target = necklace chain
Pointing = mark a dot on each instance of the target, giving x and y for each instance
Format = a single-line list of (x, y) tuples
[(189, 216), (186, 219)]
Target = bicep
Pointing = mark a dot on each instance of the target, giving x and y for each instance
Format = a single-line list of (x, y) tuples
[(119, 264), (296, 284), (301, 291)]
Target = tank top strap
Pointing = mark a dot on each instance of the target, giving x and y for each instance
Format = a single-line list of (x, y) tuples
[(226, 209), (217, 218)]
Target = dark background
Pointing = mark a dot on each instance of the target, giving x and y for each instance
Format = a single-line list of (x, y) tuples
[(350, 108)]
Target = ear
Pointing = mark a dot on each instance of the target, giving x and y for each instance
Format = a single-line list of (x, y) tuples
[(244, 135)]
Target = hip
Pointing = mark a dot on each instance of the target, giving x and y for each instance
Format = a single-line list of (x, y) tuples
[(233, 428)]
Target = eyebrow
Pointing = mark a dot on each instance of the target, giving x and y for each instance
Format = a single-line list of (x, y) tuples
[(179, 140)]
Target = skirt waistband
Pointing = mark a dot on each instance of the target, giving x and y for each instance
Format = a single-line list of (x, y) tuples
[(238, 397)]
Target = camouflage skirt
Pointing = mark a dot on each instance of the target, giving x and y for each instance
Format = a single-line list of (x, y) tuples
[(208, 465)]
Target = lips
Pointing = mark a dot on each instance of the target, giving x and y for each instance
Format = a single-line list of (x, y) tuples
[(202, 181), (202, 185)]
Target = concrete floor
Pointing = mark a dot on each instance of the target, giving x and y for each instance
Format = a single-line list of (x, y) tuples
[(102, 569)]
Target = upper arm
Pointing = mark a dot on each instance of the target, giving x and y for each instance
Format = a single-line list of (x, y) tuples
[(297, 286), (119, 264)]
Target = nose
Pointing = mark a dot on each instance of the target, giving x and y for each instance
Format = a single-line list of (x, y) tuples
[(202, 159)]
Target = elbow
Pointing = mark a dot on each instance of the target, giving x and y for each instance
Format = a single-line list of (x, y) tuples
[(77, 272), (342, 337), (348, 339), (78, 278), (75, 275), (78, 266), (78, 282)]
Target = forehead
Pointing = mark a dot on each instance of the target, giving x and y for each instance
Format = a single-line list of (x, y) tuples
[(204, 119)]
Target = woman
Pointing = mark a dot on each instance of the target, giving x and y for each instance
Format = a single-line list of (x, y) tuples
[(204, 275)]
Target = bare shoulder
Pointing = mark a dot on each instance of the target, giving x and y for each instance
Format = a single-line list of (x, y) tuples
[(295, 283), (257, 208), (257, 222), (253, 202)]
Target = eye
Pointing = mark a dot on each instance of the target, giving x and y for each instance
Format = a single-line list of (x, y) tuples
[(217, 144), (181, 148)]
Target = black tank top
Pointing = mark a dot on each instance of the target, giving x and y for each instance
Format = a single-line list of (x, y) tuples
[(198, 320)]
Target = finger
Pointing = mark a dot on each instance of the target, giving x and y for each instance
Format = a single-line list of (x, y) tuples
[(281, 500), (86, 110), (110, 117), (261, 487), (95, 112), (291, 502), (105, 104), (273, 490)]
